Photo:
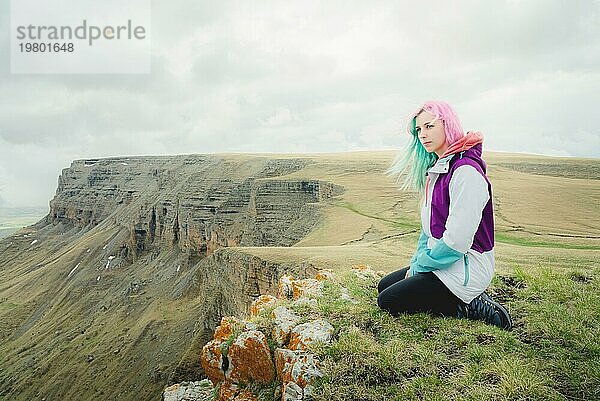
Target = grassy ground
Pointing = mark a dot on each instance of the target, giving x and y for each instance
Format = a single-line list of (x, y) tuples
[(552, 354)]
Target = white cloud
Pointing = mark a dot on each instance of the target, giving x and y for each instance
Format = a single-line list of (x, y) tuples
[(282, 116), (549, 113), (305, 76)]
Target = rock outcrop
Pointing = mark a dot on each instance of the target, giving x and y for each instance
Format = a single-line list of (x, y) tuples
[(189, 391), (240, 355)]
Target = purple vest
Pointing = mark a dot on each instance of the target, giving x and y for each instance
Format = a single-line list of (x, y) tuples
[(440, 201)]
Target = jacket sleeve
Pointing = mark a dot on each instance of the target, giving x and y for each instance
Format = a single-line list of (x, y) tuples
[(441, 256), (468, 197), (421, 246)]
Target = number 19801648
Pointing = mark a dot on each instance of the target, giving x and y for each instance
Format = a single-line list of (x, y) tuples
[(46, 47)]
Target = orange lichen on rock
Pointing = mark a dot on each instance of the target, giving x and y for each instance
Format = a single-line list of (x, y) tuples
[(306, 287), (227, 391), (239, 354), (361, 267), (324, 274), (304, 370), (226, 328), (211, 360), (250, 358), (261, 303), (245, 395), (231, 392), (283, 359), (296, 367)]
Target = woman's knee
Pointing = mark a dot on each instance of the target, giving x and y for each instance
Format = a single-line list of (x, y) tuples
[(383, 301), (390, 302), (391, 278), (381, 285)]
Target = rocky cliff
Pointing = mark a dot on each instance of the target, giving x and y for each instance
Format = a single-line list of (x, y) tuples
[(126, 278), (194, 203)]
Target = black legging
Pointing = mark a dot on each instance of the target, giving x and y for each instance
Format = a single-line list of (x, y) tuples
[(423, 292)]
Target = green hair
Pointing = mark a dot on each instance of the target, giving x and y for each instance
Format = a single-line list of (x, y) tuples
[(412, 163)]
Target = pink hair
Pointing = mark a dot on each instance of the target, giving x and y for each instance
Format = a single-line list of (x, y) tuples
[(415, 160), (445, 112)]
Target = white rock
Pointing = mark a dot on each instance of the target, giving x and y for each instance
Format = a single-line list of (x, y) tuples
[(250, 326), (73, 270), (305, 369), (284, 320), (285, 287), (308, 390), (346, 297), (292, 392), (306, 333), (366, 274), (189, 391)]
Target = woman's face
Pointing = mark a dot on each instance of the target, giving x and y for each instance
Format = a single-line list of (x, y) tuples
[(431, 133)]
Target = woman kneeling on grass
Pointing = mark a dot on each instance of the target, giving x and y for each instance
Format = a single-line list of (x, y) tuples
[(454, 261)]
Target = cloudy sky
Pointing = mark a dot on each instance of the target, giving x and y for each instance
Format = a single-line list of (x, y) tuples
[(308, 76)]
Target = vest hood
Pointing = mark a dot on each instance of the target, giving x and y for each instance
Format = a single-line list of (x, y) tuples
[(470, 146)]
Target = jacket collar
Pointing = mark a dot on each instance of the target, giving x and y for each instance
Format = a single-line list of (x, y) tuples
[(470, 140), (441, 166)]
